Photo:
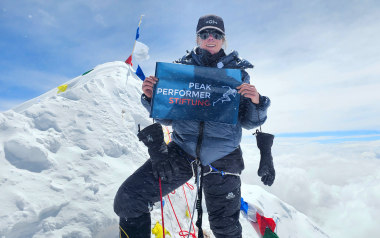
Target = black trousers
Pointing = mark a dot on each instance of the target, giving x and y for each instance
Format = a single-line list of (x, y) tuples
[(222, 193)]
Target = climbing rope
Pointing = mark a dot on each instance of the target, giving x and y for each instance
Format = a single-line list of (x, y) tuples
[(182, 232)]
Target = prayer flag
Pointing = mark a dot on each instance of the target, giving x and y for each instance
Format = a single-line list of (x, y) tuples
[(141, 51), (140, 73), (62, 88), (129, 60), (137, 33)]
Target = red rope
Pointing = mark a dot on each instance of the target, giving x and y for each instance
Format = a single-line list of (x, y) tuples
[(188, 208), (174, 213), (182, 232), (162, 208), (191, 187)]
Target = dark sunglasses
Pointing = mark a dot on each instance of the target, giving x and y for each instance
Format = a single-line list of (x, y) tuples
[(215, 34)]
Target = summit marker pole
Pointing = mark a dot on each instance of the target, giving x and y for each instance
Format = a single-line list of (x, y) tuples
[(136, 35)]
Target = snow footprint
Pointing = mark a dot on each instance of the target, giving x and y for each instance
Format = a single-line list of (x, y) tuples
[(24, 156)]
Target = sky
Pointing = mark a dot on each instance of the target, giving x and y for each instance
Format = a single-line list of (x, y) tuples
[(318, 61)]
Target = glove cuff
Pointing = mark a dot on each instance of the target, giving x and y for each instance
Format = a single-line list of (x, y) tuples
[(151, 135)]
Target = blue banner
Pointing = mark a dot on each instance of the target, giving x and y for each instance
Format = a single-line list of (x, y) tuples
[(187, 92)]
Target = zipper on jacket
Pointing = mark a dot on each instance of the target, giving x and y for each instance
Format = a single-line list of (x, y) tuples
[(200, 139)]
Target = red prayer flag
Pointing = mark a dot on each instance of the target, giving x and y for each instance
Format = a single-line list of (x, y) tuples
[(129, 60), (264, 222)]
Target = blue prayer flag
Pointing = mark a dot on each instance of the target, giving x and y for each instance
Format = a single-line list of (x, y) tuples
[(137, 33), (187, 92), (140, 73)]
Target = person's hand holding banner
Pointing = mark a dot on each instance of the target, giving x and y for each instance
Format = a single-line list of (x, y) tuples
[(148, 85), (249, 91)]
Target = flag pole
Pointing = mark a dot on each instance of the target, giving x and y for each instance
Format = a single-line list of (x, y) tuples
[(136, 32)]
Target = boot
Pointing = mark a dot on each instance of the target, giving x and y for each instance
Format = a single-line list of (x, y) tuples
[(138, 227), (153, 137), (266, 169)]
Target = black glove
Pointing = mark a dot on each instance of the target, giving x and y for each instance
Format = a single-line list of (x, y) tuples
[(153, 137), (266, 170)]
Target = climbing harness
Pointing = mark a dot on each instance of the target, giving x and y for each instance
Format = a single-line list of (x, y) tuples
[(214, 170)]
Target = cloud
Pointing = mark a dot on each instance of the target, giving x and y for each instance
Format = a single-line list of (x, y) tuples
[(338, 185), (321, 75), (100, 19)]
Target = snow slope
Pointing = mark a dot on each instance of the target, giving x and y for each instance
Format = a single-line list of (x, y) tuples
[(63, 157)]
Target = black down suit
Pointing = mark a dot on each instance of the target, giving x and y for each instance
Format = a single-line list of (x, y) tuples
[(222, 193)]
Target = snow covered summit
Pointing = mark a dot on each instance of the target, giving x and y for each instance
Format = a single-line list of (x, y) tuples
[(64, 155)]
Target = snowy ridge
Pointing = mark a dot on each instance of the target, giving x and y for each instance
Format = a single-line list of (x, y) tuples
[(63, 157)]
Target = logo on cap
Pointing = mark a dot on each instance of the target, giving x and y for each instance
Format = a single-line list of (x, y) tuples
[(211, 22)]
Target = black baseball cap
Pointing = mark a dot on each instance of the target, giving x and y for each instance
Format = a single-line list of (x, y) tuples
[(210, 22)]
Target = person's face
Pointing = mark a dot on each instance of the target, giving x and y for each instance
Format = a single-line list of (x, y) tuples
[(210, 40)]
